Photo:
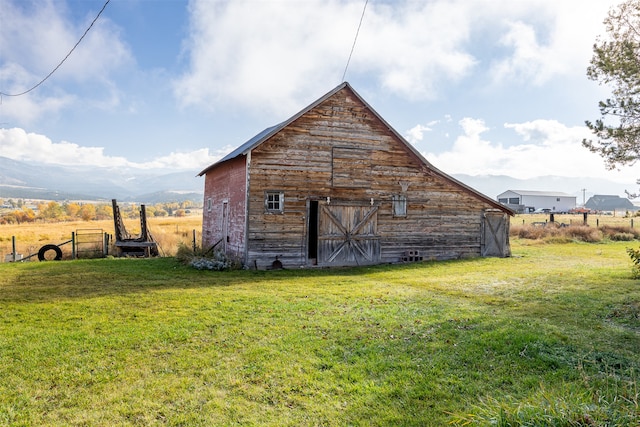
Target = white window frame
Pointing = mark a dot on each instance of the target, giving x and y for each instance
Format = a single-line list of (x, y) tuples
[(274, 201)]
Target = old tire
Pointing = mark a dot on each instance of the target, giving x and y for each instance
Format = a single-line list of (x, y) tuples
[(46, 248)]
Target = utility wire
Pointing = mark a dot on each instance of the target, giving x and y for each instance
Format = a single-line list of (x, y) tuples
[(354, 40), (64, 59)]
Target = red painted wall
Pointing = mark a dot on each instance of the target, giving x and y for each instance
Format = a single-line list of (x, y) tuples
[(225, 189)]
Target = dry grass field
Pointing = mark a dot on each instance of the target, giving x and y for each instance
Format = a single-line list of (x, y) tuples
[(169, 232), (573, 228)]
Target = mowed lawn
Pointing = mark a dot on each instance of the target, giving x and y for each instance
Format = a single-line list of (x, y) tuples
[(552, 331)]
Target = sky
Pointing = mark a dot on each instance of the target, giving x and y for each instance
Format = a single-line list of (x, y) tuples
[(480, 87)]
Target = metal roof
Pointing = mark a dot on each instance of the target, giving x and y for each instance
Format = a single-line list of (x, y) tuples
[(247, 146), (539, 193), (609, 203)]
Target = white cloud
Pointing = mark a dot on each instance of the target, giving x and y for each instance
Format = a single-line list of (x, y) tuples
[(473, 128), (416, 46), (35, 38), (269, 56), (529, 60), (28, 108), (546, 38), (196, 159), (262, 55), (416, 133), (17, 144), (547, 147)]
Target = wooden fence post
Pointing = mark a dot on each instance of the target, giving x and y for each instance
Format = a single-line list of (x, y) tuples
[(73, 245)]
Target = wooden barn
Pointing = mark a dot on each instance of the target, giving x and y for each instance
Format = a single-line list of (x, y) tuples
[(335, 185)]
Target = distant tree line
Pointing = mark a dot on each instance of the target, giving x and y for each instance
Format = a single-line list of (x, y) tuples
[(17, 212)]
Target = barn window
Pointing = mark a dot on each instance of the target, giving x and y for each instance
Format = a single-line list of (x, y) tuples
[(514, 200), (209, 204), (274, 201), (400, 205)]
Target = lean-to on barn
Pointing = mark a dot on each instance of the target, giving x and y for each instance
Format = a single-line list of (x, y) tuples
[(335, 185)]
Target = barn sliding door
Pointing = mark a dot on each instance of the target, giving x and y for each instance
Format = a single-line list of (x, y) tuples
[(347, 235), (495, 235)]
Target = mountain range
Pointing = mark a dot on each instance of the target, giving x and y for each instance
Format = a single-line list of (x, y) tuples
[(20, 179)]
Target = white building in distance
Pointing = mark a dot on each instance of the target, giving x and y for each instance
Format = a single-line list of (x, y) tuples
[(524, 201)]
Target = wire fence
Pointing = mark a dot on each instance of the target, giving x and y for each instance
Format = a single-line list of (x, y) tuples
[(593, 220)]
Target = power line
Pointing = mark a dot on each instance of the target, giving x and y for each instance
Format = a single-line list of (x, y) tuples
[(63, 60), (354, 40)]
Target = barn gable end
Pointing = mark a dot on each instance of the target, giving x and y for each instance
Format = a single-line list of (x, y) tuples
[(336, 185)]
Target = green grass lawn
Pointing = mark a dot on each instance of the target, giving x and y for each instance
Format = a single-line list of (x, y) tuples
[(547, 337)]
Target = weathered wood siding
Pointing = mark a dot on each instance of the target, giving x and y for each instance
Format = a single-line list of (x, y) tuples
[(224, 215), (341, 151)]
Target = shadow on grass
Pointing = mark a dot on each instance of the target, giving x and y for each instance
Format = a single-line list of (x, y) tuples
[(117, 276)]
